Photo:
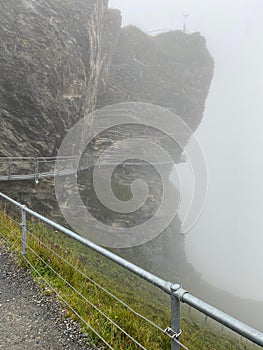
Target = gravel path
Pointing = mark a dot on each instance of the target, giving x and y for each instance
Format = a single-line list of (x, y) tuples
[(29, 320)]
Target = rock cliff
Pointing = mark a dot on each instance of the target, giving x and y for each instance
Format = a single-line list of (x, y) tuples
[(61, 59), (173, 70), (52, 56)]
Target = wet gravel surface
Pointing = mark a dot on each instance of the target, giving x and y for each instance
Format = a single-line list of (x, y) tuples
[(30, 320)]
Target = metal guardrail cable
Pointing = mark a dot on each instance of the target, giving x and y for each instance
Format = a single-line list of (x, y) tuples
[(17, 236), (69, 306), (58, 295), (177, 293), (13, 221), (96, 284), (14, 234), (174, 337), (87, 300), (10, 242)]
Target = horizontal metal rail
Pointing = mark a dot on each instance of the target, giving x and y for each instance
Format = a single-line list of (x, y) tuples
[(5, 159), (46, 175), (37, 174), (33, 164), (175, 290)]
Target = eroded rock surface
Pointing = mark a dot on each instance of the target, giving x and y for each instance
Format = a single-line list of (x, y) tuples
[(61, 59), (52, 55)]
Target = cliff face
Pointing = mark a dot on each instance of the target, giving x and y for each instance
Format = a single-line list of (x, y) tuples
[(173, 70), (61, 59), (52, 55)]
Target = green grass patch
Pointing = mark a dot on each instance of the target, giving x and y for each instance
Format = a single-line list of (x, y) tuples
[(71, 262)]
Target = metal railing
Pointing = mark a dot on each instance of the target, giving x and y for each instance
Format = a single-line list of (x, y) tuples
[(177, 294), (30, 168)]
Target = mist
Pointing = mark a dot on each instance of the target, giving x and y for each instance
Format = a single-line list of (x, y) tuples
[(225, 245)]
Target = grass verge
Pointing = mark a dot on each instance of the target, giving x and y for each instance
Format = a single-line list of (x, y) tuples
[(76, 273)]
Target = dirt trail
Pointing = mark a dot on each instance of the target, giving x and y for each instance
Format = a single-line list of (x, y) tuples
[(29, 320)]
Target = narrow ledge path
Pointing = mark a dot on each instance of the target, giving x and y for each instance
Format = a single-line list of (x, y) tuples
[(28, 319)]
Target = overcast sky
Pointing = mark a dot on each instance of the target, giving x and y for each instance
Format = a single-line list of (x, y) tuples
[(229, 236)]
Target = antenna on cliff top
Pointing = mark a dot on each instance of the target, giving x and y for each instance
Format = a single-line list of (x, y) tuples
[(186, 15)]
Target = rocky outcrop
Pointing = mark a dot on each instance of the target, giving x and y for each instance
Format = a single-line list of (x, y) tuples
[(173, 70), (60, 60), (52, 56)]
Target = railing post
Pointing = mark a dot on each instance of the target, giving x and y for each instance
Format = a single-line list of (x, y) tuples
[(36, 170), (9, 169), (175, 318), (23, 225)]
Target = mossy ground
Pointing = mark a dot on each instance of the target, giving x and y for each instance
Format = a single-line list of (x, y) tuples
[(78, 261)]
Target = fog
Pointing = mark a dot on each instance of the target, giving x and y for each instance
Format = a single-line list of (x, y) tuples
[(226, 245)]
